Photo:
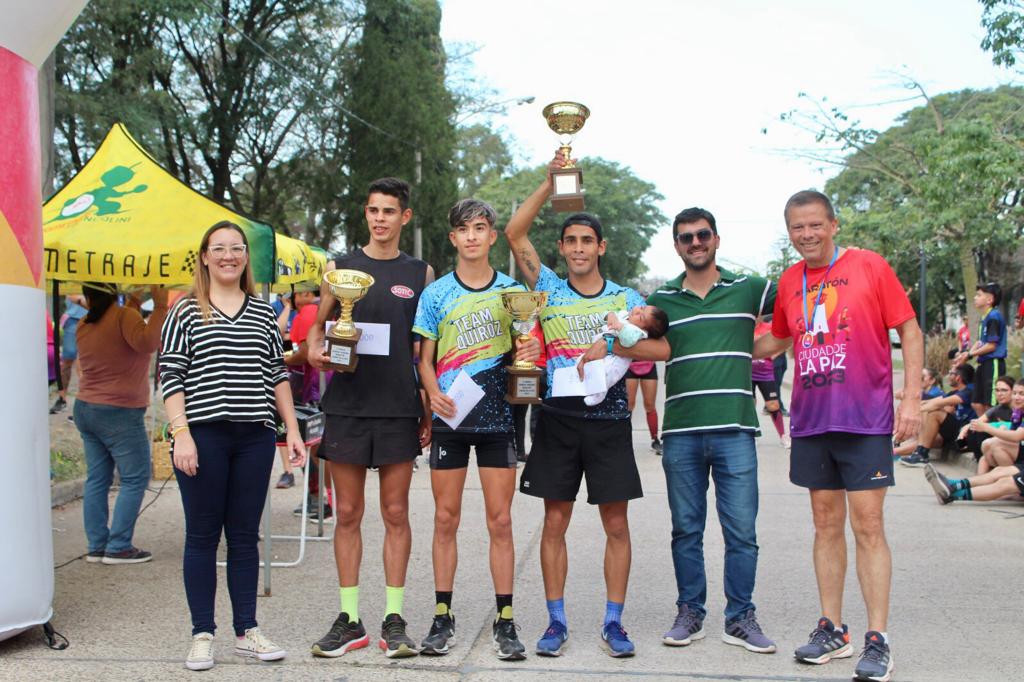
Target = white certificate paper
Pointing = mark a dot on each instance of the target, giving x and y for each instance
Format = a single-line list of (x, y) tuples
[(376, 338), (566, 381), (465, 393)]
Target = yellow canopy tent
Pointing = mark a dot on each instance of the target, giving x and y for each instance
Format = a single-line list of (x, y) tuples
[(297, 263), (125, 220)]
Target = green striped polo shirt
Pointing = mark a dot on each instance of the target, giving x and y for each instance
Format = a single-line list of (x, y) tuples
[(707, 378)]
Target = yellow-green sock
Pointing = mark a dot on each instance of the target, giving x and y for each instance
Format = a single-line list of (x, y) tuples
[(393, 600), (350, 602)]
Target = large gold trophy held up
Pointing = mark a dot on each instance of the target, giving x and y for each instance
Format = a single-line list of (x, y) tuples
[(566, 119), (523, 376), (348, 286)]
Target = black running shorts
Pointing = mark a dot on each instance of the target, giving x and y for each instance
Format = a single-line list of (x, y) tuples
[(566, 449), (841, 461), (985, 380), (451, 450), (370, 441), (769, 390)]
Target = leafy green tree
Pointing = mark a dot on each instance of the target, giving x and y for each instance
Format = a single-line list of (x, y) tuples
[(1003, 21), (625, 204), (229, 95), (482, 155), (397, 82), (787, 257)]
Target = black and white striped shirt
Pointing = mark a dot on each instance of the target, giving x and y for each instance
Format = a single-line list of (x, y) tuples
[(227, 368)]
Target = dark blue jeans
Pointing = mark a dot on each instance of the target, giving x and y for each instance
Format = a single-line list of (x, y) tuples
[(227, 493), (113, 437), (731, 460)]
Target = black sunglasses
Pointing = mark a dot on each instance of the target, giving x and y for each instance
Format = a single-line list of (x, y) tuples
[(703, 236)]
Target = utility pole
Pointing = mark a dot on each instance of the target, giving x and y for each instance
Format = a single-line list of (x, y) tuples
[(511, 256), (417, 230), (922, 313)]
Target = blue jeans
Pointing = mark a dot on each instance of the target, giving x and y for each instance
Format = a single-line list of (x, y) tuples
[(113, 437), (731, 460), (226, 494)]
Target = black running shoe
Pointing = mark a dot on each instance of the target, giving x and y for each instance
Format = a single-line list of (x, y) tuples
[(342, 638), (506, 642), (441, 637), (393, 640), (875, 664), (826, 643), (658, 448)]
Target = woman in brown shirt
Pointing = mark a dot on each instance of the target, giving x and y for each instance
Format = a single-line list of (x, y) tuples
[(114, 349)]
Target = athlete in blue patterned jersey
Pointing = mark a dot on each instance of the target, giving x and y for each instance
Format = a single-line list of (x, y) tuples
[(470, 328), (465, 329)]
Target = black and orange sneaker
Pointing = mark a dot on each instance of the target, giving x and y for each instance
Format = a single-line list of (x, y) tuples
[(393, 640)]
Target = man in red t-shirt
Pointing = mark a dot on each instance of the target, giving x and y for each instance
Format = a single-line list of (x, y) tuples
[(837, 306)]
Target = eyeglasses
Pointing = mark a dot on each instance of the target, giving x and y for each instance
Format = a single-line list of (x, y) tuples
[(219, 250), (703, 236)]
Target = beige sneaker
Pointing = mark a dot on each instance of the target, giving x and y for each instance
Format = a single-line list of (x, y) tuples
[(256, 645), (200, 656)]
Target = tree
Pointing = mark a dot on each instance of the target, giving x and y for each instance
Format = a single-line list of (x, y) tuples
[(946, 178), (222, 93), (397, 81), (1003, 21), (481, 156), (625, 204), (787, 257)]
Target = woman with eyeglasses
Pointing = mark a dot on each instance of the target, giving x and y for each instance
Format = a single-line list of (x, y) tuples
[(999, 416), (223, 376)]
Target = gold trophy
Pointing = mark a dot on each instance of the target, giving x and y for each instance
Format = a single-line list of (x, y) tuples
[(523, 376), (348, 286), (566, 119)]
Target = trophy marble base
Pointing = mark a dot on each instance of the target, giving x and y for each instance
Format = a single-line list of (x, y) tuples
[(523, 386), (342, 351), (567, 194)]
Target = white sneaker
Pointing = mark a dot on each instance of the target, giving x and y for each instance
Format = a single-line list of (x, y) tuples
[(786, 443), (256, 645), (200, 656)]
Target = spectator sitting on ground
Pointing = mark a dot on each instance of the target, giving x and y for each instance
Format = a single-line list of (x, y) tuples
[(944, 417), (1003, 481), (999, 416), (931, 387), (1001, 440)]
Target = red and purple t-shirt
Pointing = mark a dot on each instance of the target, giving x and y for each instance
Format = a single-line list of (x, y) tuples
[(843, 379)]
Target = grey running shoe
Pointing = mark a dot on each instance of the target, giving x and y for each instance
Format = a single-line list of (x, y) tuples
[(940, 484), (826, 643), (688, 627), (746, 632), (344, 636), (287, 480), (875, 664), (505, 640), (658, 448), (441, 637), (393, 640)]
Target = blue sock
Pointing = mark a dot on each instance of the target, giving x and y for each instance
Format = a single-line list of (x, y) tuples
[(613, 612), (556, 610)]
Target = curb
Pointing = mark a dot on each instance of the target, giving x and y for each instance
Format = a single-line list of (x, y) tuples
[(66, 491)]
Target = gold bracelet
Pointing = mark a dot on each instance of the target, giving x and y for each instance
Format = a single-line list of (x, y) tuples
[(171, 420), (178, 430)]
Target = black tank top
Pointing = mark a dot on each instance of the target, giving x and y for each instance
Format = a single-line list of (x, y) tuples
[(382, 386)]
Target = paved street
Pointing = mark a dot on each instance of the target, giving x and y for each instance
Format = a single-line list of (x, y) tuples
[(956, 607)]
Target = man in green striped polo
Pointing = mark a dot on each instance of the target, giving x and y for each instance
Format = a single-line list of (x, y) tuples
[(709, 428)]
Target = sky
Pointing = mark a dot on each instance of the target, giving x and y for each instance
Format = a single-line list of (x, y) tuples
[(680, 91)]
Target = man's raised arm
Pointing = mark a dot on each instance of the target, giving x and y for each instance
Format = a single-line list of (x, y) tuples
[(518, 227)]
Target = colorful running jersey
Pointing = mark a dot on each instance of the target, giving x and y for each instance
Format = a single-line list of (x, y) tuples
[(843, 378), (569, 321), (472, 331)]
